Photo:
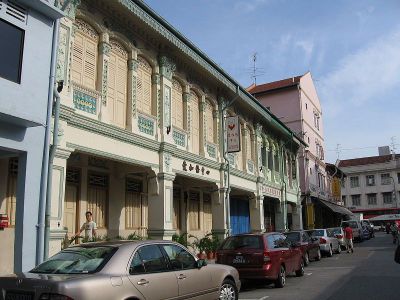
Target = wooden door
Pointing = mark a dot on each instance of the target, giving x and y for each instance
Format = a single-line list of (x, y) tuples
[(70, 217)]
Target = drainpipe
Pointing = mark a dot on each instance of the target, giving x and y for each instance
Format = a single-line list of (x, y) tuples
[(53, 149), (224, 150), (45, 164)]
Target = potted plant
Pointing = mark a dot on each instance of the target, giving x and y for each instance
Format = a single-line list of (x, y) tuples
[(214, 244), (201, 245), (181, 239)]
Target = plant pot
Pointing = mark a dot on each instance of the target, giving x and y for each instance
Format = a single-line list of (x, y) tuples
[(201, 255), (210, 255)]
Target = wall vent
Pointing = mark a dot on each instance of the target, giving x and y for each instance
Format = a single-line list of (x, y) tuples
[(13, 10)]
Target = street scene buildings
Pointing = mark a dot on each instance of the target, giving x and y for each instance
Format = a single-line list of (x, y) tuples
[(116, 126)]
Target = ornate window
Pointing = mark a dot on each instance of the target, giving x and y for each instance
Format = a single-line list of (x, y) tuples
[(117, 84), (84, 55), (144, 103), (195, 114), (209, 122), (177, 105)]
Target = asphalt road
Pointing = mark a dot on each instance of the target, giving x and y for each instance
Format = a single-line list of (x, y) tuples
[(369, 273)]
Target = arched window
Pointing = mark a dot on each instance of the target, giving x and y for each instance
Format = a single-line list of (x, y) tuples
[(117, 84), (209, 122), (144, 86), (195, 113), (84, 55), (177, 104)]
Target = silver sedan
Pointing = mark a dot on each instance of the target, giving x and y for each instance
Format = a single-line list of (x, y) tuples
[(123, 270), (328, 243)]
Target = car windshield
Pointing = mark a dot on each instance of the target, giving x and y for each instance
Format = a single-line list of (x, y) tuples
[(318, 232), (352, 224), (293, 236), (76, 260), (336, 230), (242, 242)]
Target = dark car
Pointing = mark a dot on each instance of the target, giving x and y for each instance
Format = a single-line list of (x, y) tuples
[(262, 256), (309, 245)]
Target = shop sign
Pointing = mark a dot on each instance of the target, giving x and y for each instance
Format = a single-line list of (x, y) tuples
[(273, 192), (233, 134), (336, 187)]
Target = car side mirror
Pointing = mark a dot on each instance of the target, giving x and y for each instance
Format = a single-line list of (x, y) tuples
[(397, 255), (201, 263)]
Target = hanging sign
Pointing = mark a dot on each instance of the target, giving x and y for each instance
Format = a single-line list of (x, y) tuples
[(233, 134)]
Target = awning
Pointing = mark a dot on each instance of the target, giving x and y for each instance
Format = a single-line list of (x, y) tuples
[(391, 217), (335, 208)]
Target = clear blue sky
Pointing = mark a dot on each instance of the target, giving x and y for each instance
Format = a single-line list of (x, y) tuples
[(352, 49)]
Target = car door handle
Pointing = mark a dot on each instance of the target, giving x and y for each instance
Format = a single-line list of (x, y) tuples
[(142, 282), (181, 276)]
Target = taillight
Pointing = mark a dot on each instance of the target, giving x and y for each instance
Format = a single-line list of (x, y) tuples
[(322, 240), (50, 296), (266, 257)]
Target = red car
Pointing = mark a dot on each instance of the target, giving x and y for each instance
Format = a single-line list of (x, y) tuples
[(262, 256), (309, 245)]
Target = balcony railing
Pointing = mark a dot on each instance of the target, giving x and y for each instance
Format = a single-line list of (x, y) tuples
[(85, 99), (212, 150), (179, 137), (250, 166), (146, 124)]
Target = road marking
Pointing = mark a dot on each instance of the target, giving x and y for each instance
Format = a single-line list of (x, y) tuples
[(308, 274), (263, 298), (332, 268)]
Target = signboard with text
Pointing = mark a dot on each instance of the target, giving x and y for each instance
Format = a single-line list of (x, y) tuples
[(233, 134)]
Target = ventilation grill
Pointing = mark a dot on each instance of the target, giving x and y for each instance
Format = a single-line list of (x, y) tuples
[(14, 10)]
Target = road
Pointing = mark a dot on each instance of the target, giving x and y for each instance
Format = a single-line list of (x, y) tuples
[(369, 273)]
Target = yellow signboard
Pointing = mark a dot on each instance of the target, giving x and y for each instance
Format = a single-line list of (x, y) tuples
[(336, 189)]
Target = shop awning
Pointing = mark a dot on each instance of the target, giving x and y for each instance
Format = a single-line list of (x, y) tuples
[(391, 217), (335, 208)]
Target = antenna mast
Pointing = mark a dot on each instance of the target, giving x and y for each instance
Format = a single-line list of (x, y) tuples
[(254, 68)]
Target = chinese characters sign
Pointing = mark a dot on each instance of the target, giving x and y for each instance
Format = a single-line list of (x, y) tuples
[(233, 134)]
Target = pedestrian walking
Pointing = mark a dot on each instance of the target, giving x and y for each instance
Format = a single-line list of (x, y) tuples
[(395, 232), (348, 238), (89, 227)]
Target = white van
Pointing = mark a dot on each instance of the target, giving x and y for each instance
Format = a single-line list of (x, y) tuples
[(355, 225)]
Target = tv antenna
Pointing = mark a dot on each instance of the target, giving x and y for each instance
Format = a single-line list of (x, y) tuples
[(393, 144), (256, 71)]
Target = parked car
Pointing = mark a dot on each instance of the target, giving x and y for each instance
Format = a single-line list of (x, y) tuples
[(262, 256), (366, 233), (339, 234), (327, 241), (355, 225), (370, 227), (123, 270), (309, 245)]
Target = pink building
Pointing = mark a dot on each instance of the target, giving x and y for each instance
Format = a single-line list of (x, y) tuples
[(295, 102)]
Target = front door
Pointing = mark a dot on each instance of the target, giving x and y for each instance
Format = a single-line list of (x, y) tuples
[(240, 216), (71, 198)]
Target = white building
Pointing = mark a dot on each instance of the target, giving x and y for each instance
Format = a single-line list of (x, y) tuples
[(372, 185)]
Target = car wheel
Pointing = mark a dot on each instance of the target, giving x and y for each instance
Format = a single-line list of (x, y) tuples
[(319, 255), (228, 290), (330, 253), (300, 271), (281, 280), (306, 259)]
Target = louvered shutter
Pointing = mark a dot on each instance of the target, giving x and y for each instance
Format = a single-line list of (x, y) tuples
[(144, 87), (194, 103), (177, 107), (90, 64), (248, 145), (117, 84), (209, 122), (77, 58)]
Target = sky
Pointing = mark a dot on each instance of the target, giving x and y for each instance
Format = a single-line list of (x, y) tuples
[(351, 48)]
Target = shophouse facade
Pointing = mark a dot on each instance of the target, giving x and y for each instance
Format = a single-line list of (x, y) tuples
[(141, 135), (26, 31), (296, 103), (372, 185)]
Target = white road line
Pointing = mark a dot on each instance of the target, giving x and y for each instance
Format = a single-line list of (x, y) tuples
[(263, 298), (308, 274)]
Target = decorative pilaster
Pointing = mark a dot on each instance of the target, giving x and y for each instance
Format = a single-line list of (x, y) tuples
[(104, 52), (167, 67), (202, 129), (131, 115)]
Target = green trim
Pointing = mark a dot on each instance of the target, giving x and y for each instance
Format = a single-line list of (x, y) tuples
[(241, 174), (111, 155), (82, 122)]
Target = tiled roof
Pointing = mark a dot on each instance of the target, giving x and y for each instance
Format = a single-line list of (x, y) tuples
[(366, 160), (255, 89)]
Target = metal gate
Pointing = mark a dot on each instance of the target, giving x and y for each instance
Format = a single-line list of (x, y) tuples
[(240, 216)]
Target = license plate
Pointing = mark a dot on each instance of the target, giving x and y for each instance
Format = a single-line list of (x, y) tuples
[(18, 296), (239, 260)]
